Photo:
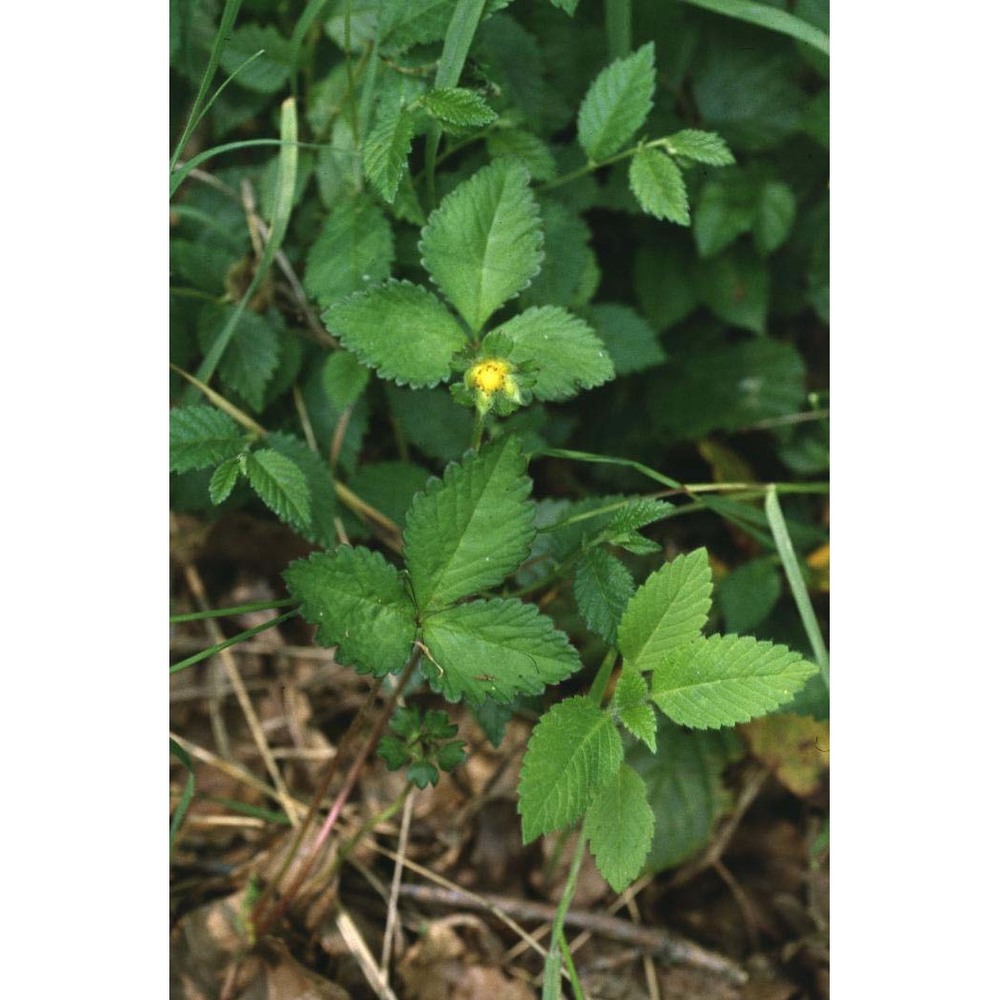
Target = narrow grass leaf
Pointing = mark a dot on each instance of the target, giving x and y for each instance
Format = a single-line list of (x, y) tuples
[(574, 752), (769, 17), (359, 603), (723, 680)]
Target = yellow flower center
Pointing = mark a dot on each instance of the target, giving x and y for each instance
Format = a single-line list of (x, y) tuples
[(489, 376)]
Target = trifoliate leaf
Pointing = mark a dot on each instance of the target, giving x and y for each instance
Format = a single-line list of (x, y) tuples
[(630, 340), (400, 329), (353, 251), (616, 104), (458, 107), (603, 587), (387, 147), (722, 680), (619, 826), (483, 245), (702, 147), (685, 788), (657, 183), (467, 531), (573, 754), (631, 702), (668, 610), (494, 649), (281, 484), (360, 605), (568, 354), (201, 436), (223, 480)]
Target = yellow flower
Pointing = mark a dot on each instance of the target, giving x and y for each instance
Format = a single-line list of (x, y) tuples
[(490, 376)]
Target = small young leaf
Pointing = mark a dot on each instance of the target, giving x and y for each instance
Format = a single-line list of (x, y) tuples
[(467, 531), (573, 754), (201, 436), (603, 587), (281, 484), (619, 826), (483, 245), (631, 702), (495, 649), (723, 680), (702, 147), (568, 354), (353, 251), (360, 605), (323, 505), (668, 610), (458, 107), (617, 104), (658, 186), (387, 147), (223, 480), (637, 513), (727, 207), (400, 329), (775, 215)]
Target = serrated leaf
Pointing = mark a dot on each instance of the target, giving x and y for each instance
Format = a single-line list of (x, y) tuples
[(634, 712), (360, 605), (685, 788), (494, 649), (323, 505), (568, 354), (223, 480), (404, 23), (668, 610), (267, 73), (252, 356), (201, 436), (616, 104), (386, 148), (727, 207), (458, 107), (702, 147), (619, 826), (467, 531), (569, 274), (722, 680), (637, 513), (281, 484), (603, 587), (658, 186), (630, 340), (353, 251), (400, 329), (574, 752), (775, 215), (483, 244), (532, 152)]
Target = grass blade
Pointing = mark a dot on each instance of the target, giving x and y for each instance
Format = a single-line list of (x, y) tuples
[(187, 795), (219, 646), (771, 18)]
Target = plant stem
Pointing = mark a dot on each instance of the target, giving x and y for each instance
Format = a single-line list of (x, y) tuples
[(553, 963), (600, 684)]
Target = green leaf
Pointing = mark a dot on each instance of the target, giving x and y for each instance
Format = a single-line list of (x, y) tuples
[(569, 275), (664, 281), (387, 148), (404, 23), (616, 104), (430, 420), (323, 505), (736, 286), (658, 186), (458, 107), (494, 649), (630, 340), (667, 611), (603, 587), (281, 484), (631, 702), (389, 486), (775, 215), (400, 329), (252, 355), (767, 16), (574, 752), (702, 147), (636, 513), (467, 531), (360, 605), (685, 788), (532, 152), (619, 826), (344, 379), (266, 74), (483, 245), (354, 250), (723, 680), (568, 354), (223, 480), (748, 594), (727, 207), (201, 436)]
